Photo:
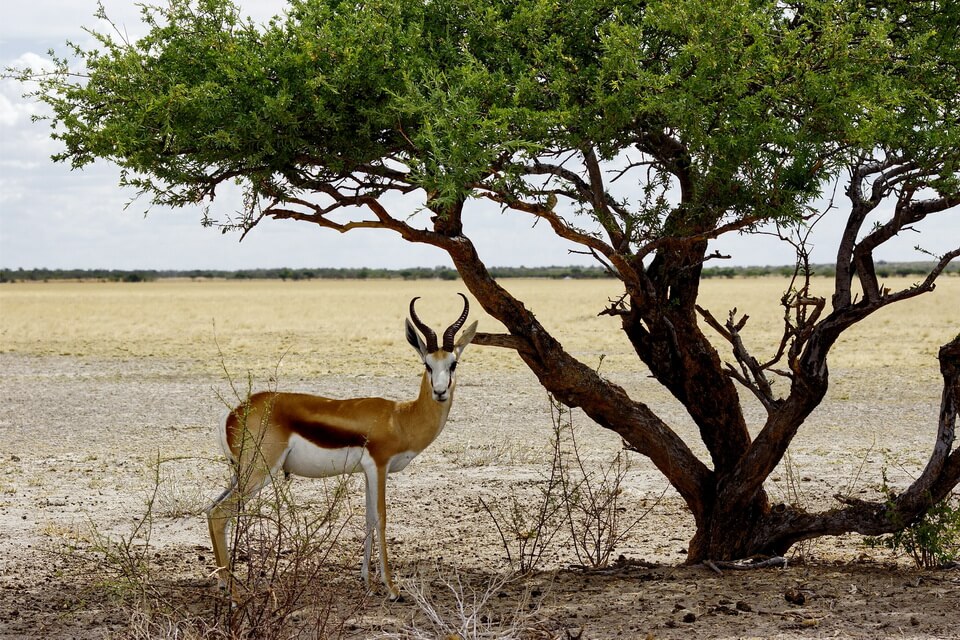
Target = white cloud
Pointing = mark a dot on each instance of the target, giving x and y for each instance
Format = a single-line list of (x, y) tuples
[(15, 109), (9, 114), (33, 61)]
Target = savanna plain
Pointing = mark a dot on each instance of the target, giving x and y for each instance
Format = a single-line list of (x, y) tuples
[(108, 457)]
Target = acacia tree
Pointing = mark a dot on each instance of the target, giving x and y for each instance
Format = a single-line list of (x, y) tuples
[(638, 130)]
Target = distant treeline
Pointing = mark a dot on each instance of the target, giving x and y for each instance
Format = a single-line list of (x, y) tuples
[(884, 269)]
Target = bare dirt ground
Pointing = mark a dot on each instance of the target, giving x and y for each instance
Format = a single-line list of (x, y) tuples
[(82, 434), (79, 438)]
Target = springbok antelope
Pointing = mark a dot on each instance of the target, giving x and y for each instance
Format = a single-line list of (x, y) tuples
[(316, 437)]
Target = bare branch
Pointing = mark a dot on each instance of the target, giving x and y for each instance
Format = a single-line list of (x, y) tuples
[(320, 219), (593, 192), (622, 268), (672, 241), (892, 176), (599, 201), (504, 340), (935, 482), (615, 307), (751, 374), (925, 484), (559, 225), (631, 165)]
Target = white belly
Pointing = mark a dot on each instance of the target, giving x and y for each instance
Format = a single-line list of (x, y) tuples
[(308, 460), (400, 461)]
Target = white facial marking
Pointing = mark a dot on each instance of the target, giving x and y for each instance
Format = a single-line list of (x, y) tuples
[(440, 367)]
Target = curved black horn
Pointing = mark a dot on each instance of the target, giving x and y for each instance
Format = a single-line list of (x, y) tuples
[(451, 331), (427, 332)]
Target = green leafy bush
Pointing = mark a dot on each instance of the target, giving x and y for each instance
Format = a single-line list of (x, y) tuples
[(933, 541)]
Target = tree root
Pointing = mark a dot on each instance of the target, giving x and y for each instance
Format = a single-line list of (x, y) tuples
[(717, 565)]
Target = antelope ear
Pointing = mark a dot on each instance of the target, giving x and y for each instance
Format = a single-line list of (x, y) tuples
[(415, 340), (465, 338)]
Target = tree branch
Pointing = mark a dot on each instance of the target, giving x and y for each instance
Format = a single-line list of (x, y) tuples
[(598, 199), (751, 374), (906, 179), (664, 242), (937, 472), (577, 385), (941, 475), (593, 192), (623, 268), (504, 340)]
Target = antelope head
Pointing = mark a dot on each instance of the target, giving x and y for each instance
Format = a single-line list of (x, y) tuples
[(441, 362)]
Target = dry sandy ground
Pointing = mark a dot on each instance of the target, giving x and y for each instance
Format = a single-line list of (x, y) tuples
[(81, 435)]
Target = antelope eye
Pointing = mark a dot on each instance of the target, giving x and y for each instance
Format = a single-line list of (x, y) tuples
[(429, 368), (453, 367)]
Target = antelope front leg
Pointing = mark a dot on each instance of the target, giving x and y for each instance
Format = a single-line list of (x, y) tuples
[(376, 503), (382, 531), (371, 519)]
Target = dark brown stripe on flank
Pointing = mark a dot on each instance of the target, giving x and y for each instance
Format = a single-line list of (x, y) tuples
[(327, 436)]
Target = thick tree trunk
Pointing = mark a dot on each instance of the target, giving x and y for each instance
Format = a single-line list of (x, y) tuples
[(681, 358), (732, 533), (733, 516), (576, 385)]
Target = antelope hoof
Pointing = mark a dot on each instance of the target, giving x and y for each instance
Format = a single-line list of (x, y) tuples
[(395, 597)]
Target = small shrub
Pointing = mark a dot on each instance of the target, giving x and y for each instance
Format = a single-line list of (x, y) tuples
[(452, 606), (933, 540), (587, 501), (285, 553), (527, 528), (592, 497)]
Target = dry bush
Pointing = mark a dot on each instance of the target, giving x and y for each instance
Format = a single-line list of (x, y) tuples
[(585, 499), (288, 579), (450, 606), (527, 528), (181, 490), (592, 497), (286, 557)]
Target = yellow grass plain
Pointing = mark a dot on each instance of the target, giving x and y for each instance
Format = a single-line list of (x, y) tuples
[(112, 376), (356, 327)]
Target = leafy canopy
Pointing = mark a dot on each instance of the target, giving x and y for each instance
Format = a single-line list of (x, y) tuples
[(748, 107)]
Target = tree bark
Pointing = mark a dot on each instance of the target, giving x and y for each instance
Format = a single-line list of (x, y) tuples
[(733, 515), (576, 385)]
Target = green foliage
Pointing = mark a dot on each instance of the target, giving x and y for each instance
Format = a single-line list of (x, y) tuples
[(932, 541), (750, 107)]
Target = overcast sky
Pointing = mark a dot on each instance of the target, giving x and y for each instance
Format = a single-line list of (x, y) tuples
[(56, 218)]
